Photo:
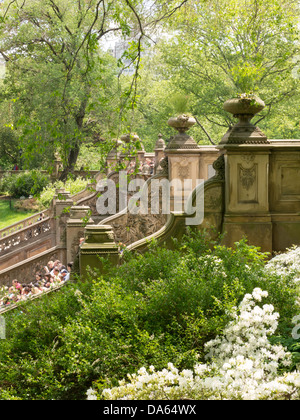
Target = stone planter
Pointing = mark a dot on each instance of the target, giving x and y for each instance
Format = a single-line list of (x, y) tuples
[(182, 123), (128, 138), (182, 141), (244, 106), (132, 139)]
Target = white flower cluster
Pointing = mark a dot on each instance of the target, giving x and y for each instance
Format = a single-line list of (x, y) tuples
[(243, 365), (214, 264), (287, 263)]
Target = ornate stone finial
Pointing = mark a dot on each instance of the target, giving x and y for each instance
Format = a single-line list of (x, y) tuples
[(160, 144), (182, 141), (163, 167), (116, 150), (133, 138), (219, 167), (244, 108)]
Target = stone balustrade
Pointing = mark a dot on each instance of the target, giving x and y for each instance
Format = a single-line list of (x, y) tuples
[(24, 236), (29, 221), (25, 270), (251, 186)]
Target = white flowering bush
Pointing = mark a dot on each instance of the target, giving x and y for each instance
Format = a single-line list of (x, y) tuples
[(287, 263), (243, 364)]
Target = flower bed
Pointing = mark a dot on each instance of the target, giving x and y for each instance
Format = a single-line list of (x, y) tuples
[(244, 365)]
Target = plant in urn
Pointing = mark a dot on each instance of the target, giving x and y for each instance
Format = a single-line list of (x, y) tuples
[(182, 123), (244, 107)]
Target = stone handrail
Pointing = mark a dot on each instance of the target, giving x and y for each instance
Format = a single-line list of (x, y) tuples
[(19, 304), (129, 228), (23, 236), (80, 197), (84, 194), (29, 221), (25, 271), (175, 226)]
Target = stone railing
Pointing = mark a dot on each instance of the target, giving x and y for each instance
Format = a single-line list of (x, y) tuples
[(176, 225), (10, 307), (129, 228), (24, 223), (38, 217), (102, 240), (24, 271), (25, 236)]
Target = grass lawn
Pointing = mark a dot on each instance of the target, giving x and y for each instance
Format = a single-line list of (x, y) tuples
[(9, 217)]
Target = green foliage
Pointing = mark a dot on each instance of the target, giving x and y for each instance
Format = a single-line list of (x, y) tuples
[(9, 214), (180, 103), (9, 146), (24, 184), (72, 186), (63, 90), (162, 306), (217, 49)]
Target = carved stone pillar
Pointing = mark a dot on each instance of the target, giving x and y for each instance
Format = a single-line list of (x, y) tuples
[(183, 159), (99, 243), (79, 217), (61, 205), (247, 154)]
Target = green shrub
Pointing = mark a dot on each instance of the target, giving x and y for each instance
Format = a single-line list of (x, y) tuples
[(156, 308), (6, 183), (72, 186), (24, 184)]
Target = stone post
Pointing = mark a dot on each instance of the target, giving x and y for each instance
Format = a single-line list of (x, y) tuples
[(114, 156), (247, 154), (99, 243), (79, 217), (62, 203), (140, 157), (159, 151), (183, 161), (57, 165)]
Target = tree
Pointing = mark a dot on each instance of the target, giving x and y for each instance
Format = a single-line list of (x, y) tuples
[(62, 82), (223, 48)]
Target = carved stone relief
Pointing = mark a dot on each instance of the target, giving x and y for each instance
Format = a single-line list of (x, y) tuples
[(248, 184), (131, 228)]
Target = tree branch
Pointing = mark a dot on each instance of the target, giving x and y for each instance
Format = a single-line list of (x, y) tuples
[(203, 128)]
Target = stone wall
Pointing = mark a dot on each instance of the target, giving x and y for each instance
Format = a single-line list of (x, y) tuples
[(254, 193), (251, 190)]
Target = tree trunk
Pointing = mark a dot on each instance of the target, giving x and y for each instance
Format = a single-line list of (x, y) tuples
[(75, 150), (72, 160)]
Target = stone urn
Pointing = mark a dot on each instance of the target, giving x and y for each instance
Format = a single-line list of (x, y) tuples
[(183, 141), (133, 139), (128, 138), (245, 105), (244, 108), (182, 123)]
